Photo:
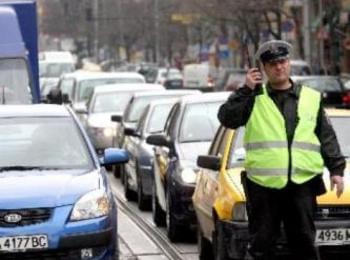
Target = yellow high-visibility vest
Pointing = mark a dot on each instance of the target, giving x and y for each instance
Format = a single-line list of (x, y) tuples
[(265, 140)]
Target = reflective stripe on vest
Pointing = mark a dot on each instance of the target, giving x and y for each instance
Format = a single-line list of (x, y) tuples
[(279, 144), (265, 141)]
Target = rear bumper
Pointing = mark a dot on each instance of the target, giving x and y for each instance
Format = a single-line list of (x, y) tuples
[(236, 237)]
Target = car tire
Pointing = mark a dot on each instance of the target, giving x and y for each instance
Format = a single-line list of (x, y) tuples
[(172, 226), (205, 248), (128, 193), (158, 213), (220, 252), (143, 202), (116, 171)]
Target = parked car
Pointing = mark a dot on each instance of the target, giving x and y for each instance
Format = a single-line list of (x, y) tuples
[(56, 202), (52, 65), (133, 112), (220, 204), (332, 88), (159, 75), (139, 169), (231, 79), (105, 101), (300, 68), (79, 85), (189, 129)]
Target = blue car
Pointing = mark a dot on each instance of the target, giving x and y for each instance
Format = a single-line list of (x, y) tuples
[(55, 198)]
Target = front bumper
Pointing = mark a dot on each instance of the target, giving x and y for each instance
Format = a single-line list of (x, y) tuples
[(236, 236), (85, 239), (183, 209)]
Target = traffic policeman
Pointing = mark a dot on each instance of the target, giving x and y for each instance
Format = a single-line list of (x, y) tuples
[(288, 140)]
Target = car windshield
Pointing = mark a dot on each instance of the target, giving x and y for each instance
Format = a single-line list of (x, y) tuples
[(323, 84), (341, 127), (111, 102), (134, 111), (54, 70), (199, 122), (42, 142), (14, 82), (300, 70), (158, 118), (86, 86)]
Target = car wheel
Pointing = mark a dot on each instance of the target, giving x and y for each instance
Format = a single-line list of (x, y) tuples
[(205, 248), (128, 193), (172, 225), (220, 252), (158, 213), (116, 170), (143, 201)]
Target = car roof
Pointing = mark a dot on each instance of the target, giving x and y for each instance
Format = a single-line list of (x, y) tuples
[(205, 97), (163, 101), (166, 93), (84, 75), (334, 112), (313, 77), (37, 110), (124, 87)]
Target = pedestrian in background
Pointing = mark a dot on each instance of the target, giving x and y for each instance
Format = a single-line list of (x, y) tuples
[(288, 140)]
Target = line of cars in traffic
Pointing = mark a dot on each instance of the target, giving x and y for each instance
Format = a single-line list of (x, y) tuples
[(181, 165)]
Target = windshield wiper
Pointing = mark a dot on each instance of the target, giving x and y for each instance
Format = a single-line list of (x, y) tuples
[(22, 168)]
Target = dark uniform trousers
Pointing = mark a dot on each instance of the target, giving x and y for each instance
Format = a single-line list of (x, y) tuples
[(292, 206)]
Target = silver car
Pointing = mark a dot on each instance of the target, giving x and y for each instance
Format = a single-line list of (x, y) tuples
[(106, 101)]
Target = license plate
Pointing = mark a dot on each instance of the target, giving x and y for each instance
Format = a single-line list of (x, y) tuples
[(22, 243), (338, 236)]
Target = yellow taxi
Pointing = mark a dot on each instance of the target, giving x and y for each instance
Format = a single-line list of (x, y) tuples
[(219, 199)]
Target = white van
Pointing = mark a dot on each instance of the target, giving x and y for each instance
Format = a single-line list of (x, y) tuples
[(200, 76)]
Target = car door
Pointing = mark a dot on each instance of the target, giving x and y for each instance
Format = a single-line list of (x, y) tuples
[(209, 183), (162, 159)]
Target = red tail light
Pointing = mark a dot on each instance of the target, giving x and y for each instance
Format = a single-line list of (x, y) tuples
[(346, 98)]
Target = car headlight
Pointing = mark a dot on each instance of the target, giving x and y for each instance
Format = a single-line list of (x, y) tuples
[(108, 131), (188, 175), (92, 205), (239, 212)]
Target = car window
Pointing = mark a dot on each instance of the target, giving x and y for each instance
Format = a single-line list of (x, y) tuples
[(322, 84), (135, 110), (110, 102), (158, 118), (42, 142), (86, 86), (341, 127), (199, 122), (170, 124), (213, 150), (55, 70), (237, 151), (66, 86)]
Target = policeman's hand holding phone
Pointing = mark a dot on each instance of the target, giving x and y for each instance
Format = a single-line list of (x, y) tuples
[(253, 78)]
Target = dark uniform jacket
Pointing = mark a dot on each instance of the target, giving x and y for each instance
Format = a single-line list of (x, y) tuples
[(235, 112)]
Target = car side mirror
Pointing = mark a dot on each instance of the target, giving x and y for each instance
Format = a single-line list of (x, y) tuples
[(158, 140), (131, 132), (210, 162), (117, 118)]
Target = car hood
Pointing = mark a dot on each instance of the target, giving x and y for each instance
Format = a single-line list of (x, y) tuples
[(190, 151), (31, 189), (101, 120), (233, 178)]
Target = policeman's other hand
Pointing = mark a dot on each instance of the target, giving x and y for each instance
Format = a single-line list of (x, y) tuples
[(337, 181), (253, 78)]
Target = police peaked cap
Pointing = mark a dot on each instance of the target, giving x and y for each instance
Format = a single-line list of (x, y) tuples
[(273, 50)]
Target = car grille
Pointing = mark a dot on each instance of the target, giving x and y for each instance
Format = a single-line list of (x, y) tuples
[(72, 254), (332, 213), (29, 216)]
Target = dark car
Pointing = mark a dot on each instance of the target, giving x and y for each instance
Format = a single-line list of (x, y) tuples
[(56, 201), (134, 110), (189, 129), (231, 79), (139, 170), (332, 88)]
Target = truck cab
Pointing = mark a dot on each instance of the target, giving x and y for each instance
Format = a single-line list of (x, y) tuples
[(19, 82)]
